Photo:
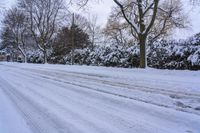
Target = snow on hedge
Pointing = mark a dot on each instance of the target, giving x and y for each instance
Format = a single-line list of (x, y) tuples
[(183, 54), (163, 55)]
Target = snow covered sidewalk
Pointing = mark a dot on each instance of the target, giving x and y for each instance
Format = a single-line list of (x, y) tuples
[(82, 99)]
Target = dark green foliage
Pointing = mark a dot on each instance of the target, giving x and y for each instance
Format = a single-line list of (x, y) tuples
[(63, 43)]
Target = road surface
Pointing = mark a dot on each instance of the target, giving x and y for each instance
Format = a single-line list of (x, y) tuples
[(53, 100)]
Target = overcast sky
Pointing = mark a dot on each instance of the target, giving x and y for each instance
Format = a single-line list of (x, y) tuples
[(103, 8)]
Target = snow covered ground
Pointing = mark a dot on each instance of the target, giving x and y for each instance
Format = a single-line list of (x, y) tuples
[(85, 99)]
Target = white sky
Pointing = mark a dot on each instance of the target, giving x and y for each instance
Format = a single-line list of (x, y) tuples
[(103, 8)]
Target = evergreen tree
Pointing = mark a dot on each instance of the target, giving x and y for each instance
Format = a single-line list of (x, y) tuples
[(63, 42)]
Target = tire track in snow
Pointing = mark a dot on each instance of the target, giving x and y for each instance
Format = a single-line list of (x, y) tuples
[(98, 79), (58, 77), (123, 121), (38, 118)]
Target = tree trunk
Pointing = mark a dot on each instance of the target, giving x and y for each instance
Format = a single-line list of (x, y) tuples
[(45, 55), (25, 59), (23, 53), (72, 29), (142, 42)]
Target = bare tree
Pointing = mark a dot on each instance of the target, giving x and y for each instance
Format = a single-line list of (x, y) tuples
[(94, 31), (82, 22), (118, 32), (89, 26), (146, 17), (15, 31), (2, 8), (169, 17), (150, 19), (44, 16)]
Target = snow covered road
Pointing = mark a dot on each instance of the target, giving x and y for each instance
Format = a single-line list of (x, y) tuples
[(81, 99)]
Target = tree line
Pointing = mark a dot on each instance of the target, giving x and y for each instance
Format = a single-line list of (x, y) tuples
[(47, 25)]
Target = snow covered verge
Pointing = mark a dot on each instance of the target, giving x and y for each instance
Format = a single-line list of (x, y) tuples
[(92, 99)]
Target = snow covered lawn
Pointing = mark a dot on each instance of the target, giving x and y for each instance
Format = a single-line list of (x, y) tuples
[(85, 99)]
